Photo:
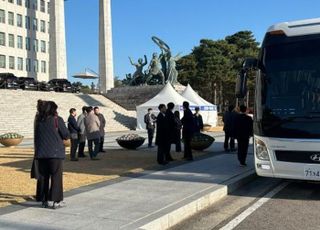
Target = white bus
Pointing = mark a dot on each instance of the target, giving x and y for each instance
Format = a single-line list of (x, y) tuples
[(287, 101)]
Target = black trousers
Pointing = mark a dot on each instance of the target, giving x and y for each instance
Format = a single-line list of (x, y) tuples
[(101, 143), (168, 156), (81, 149), (243, 144), (227, 138), (187, 148), (178, 146), (161, 153), (50, 187), (150, 136), (73, 148), (94, 151)]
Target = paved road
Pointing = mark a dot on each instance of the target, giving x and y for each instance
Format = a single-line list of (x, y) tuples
[(264, 203)]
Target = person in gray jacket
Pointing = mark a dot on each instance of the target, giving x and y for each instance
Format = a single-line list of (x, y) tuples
[(102, 126), (92, 124), (82, 134), (49, 133)]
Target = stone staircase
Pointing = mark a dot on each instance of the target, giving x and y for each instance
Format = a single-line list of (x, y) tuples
[(18, 109)]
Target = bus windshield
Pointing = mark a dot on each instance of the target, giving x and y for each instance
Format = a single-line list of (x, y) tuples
[(290, 87)]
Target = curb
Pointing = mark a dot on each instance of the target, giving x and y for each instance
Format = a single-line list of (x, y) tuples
[(168, 217)]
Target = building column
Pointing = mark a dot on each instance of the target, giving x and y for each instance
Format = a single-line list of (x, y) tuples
[(57, 41), (105, 46)]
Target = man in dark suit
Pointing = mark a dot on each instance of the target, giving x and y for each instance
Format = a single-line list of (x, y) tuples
[(228, 128), (150, 120), (171, 130), (74, 130), (243, 132), (187, 130), (161, 137), (198, 120)]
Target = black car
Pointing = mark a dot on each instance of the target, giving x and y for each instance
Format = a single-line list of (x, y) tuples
[(44, 86), (60, 85), (8, 81), (28, 83)]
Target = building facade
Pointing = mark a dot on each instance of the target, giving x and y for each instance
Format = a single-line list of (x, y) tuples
[(25, 38)]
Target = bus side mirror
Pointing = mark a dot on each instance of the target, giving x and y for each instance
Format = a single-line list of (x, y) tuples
[(241, 82)]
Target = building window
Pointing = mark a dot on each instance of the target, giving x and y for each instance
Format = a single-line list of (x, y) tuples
[(27, 22), (28, 64), (19, 20), (20, 63), (19, 42), (35, 4), (19, 2), (2, 61), (27, 3), (11, 62), (11, 18), (35, 66), (35, 45), (42, 6), (2, 39), (35, 24), (43, 67), (48, 7), (48, 27), (11, 1), (42, 26), (43, 46), (27, 43), (2, 16), (11, 40)]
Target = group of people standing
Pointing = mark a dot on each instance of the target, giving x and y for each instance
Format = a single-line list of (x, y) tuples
[(168, 126), (89, 125), (50, 132), (237, 125)]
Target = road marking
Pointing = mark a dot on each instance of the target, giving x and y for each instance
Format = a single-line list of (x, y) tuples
[(236, 221)]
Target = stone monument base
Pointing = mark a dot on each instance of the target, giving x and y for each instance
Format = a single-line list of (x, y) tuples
[(130, 96)]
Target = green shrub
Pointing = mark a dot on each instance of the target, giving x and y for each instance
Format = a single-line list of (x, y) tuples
[(10, 136)]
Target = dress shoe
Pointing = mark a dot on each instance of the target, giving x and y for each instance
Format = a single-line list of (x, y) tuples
[(74, 159), (102, 151), (44, 204), (95, 158), (82, 156)]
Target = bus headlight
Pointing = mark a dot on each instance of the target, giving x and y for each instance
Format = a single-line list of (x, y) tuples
[(261, 150)]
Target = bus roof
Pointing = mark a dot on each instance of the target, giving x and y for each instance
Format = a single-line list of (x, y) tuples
[(297, 28)]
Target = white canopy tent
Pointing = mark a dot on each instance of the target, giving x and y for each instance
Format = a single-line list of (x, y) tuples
[(208, 111), (166, 95)]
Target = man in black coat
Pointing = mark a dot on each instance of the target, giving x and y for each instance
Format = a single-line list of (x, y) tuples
[(171, 130), (161, 137), (74, 130), (187, 130), (243, 131), (150, 120), (198, 120), (228, 128)]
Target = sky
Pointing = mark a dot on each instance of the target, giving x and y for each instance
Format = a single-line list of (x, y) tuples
[(180, 23)]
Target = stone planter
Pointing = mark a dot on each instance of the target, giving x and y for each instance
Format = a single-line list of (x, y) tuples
[(201, 141), (9, 142), (130, 144)]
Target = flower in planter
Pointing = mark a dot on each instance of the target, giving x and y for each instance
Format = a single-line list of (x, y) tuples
[(130, 137), (11, 136)]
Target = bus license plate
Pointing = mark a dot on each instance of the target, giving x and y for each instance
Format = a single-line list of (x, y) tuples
[(311, 172)]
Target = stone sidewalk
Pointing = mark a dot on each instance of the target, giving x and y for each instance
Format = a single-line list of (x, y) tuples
[(151, 200)]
